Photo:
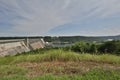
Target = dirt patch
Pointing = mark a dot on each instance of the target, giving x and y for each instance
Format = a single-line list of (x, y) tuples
[(61, 68)]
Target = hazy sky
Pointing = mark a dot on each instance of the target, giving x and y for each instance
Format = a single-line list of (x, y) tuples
[(59, 17)]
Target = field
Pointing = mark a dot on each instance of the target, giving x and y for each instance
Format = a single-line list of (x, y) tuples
[(57, 64)]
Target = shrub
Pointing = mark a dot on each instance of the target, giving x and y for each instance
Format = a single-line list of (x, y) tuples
[(110, 47)]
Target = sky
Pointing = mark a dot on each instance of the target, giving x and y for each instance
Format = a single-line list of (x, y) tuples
[(59, 17)]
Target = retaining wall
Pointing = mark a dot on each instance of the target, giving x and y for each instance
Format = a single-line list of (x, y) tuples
[(13, 48)]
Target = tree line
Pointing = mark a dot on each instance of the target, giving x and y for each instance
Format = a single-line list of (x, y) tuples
[(111, 47)]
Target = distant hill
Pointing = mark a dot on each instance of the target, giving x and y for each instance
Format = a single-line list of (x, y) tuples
[(111, 37), (70, 39)]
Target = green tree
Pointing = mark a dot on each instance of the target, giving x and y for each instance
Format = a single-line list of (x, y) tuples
[(93, 48), (110, 47), (80, 47)]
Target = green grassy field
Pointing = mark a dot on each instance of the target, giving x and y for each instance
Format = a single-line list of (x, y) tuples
[(59, 65)]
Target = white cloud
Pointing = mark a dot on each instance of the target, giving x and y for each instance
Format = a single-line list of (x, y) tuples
[(39, 16)]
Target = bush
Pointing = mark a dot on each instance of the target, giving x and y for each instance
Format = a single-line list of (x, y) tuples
[(80, 47), (84, 47), (110, 47)]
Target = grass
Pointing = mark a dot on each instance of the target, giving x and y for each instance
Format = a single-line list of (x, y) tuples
[(11, 70), (59, 65), (59, 55), (94, 74)]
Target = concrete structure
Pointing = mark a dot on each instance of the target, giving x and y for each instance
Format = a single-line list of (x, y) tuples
[(13, 47)]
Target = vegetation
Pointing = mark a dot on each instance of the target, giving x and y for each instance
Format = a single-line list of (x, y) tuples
[(58, 64), (91, 75), (112, 47), (58, 55)]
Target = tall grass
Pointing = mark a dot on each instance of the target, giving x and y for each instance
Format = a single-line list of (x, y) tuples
[(59, 55)]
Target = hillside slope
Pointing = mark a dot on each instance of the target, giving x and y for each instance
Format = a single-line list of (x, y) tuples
[(59, 65)]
